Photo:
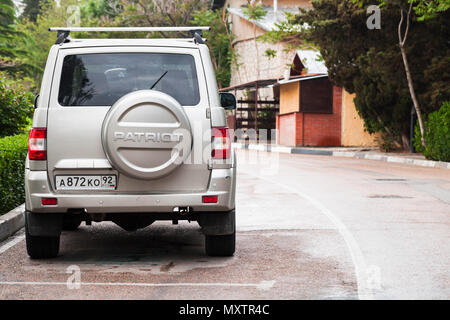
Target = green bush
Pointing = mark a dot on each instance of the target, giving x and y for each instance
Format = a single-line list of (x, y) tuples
[(13, 151), (437, 135), (16, 107)]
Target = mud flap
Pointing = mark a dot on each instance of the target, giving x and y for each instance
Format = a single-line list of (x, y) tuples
[(44, 224), (217, 223)]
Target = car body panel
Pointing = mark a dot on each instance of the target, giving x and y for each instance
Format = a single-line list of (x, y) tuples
[(74, 144)]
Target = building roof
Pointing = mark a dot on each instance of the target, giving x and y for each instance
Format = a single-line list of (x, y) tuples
[(252, 84), (268, 22), (302, 78), (312, 61)]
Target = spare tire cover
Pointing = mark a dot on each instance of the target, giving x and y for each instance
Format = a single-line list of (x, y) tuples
[(146, 134)]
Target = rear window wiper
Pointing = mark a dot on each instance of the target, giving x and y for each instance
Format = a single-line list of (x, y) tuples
[(156, 82)]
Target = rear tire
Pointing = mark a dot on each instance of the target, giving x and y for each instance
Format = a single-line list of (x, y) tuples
[(71, 222), (221, 246), (39, 247)]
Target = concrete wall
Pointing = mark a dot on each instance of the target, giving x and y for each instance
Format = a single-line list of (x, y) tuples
[(353, 133), (247, 69), (243, 29), (245, 49), (244, 46)]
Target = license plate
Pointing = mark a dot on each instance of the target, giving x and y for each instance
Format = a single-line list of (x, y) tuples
[(101, 182)]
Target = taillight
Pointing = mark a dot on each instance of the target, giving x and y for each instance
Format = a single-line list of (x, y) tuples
[(221, 143), (37, 144), (210, 199), (49, 201)]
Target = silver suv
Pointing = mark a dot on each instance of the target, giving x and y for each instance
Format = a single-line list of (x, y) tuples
[(130, 131)]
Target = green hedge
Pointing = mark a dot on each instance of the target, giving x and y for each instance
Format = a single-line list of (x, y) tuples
[(13, 151), (437, 135), (16, 106)]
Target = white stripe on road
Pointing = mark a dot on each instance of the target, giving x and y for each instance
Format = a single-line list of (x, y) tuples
[(361, 268), (263, 285), (11, 243)]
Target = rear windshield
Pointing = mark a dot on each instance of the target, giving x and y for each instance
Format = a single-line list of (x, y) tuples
[(101, 79)]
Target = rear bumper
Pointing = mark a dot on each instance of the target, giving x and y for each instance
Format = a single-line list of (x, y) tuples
[(222, 184)]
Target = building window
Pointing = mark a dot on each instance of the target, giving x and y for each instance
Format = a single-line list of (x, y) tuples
[(316, 96)]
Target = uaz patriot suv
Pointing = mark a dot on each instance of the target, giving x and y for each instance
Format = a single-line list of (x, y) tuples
[(130, 131)]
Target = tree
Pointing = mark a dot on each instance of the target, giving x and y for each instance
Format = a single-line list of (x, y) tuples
[(12, 58), (7, 32), (15, 106), (138, 13), (425, 10), (33, 8), (156, 13), (255, 12), (38, 38), (99, 9), (219, 42), (429, 9), (366, 61)]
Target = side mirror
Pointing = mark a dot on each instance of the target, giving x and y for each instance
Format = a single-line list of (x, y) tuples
[(227, 100), (36, 101)]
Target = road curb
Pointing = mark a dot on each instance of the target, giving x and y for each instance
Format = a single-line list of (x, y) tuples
[(11, 222), (348, 154)]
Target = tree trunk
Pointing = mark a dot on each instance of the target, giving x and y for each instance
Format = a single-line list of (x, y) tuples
[(402, 40), (257, 52), (413, 94), (230, 39), (405, 142)]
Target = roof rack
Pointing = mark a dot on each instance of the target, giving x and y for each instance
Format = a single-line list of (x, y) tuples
[(63, 33)]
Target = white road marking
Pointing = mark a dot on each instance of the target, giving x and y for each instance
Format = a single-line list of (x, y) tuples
[(361, 268), (263, 285), (11, 243)]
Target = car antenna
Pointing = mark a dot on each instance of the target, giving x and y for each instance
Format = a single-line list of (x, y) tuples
[(156, 82)]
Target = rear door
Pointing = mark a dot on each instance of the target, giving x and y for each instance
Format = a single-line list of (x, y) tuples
[(88, 81)]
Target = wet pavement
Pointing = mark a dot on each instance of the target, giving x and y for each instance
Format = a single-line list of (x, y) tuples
[(308, 227)]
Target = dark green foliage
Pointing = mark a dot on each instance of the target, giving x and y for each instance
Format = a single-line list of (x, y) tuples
[(437, 135), (219, 42), (386, 143), (33, 8), (131, 13), (428, 9), (13, 59), (7, 32), (101, 8), (16, 107), (13, 151)]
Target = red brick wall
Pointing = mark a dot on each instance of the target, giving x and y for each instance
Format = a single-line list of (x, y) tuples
[(312, 129), (287, 129), (325, 129)]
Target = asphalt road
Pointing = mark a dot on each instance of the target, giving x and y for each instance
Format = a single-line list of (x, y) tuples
[(308, 227)]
